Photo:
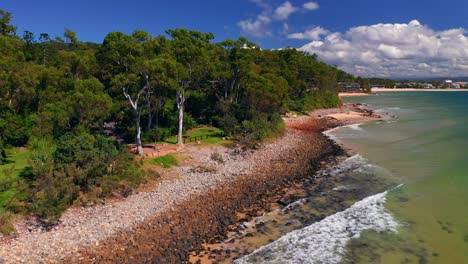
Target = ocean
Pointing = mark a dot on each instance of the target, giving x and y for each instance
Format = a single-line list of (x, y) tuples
[(409, 181)]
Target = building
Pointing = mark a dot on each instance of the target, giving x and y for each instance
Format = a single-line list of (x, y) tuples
[(349, 86)]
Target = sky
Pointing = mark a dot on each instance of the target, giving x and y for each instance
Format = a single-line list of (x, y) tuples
[(385, 38)]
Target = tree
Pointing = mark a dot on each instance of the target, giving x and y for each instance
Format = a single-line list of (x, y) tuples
[(5, 28), (30, 47), (133, 66), (70, 36), (44, 39), (190, 51)]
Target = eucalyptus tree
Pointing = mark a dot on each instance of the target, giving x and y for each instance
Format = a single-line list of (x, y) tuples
[(120, 54), (44, 39), (190, 51), (237, 58), (131, 64), (5, 27)]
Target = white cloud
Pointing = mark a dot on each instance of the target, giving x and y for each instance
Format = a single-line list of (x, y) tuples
[(311, 6), (311, 34), (284, 11), (392, 50), (261, 4), (257, 28), (260, 26)]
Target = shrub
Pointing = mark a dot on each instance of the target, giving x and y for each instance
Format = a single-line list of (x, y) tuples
[(227, 123), (215, 156), (6, 225), (82, 168), (156, 134), (259, 129)]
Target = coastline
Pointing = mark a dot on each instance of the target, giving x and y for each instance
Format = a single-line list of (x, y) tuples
[(385, 90), (170, 222), (378, 90)]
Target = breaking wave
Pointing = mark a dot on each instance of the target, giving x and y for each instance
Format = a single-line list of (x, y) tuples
[(325, 241)]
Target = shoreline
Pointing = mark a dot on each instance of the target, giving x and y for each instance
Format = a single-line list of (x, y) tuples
[(374, 90), (244, 183), (246, 237), (385, 90)]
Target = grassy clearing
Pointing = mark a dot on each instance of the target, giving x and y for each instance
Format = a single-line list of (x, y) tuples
[(216, 135), (165, 161), (10, 175)]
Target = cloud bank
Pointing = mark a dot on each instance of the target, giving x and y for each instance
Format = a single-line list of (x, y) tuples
[(392, 50)]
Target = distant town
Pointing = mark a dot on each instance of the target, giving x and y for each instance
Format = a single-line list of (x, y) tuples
[(385, 83)]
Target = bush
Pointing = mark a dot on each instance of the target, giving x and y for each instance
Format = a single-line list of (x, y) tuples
[(6, 225), (80, 165), (156, 134), (215, 156), (320, 99), (259, 129), (227, 123)]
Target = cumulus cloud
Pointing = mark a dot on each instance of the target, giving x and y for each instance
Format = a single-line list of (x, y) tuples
[(260, 26), (311, 34), (311, 6), (285, 10), (256, 27), (393, 50)]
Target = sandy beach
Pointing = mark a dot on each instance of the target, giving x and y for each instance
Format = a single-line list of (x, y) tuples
[(343, 94)]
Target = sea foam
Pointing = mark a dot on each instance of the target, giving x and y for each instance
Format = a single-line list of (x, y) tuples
[(325, 241)]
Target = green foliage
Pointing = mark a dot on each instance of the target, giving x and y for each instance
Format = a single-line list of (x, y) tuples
[(165, 161), (70, 102), (259, 129), (215, 135), (79, 164), (5, 27), (319, 99), (15, 165)]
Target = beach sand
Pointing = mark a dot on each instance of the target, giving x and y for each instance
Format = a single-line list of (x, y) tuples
[(343, 94)]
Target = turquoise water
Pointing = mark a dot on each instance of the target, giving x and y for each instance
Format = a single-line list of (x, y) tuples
[(420, 156), (426, 149)]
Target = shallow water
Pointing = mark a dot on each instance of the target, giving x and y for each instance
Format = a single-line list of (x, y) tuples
[(321, 214), (427, 147)]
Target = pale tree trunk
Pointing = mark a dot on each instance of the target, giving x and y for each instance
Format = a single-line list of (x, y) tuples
[(138, 135), (137, 112), (180, 106)]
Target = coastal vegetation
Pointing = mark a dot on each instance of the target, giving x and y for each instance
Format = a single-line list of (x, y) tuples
[(69, 108), (165, 161)]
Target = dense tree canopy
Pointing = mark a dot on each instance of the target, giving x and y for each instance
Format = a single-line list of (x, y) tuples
[(70, 102)]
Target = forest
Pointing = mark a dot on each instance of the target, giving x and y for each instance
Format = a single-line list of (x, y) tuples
[(76, 106)]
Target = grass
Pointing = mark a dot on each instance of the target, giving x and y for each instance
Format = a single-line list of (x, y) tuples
[(10, 172), (165, 161), (216, 135), (6, 224)]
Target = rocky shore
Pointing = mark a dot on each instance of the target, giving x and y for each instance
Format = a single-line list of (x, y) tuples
[(200, 205)]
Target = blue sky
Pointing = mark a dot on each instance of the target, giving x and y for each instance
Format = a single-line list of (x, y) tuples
[(270, 23)]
